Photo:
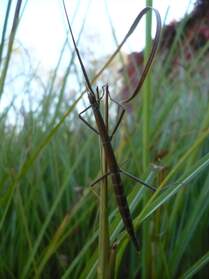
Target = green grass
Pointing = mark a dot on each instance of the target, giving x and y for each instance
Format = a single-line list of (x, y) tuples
[(49, 220)]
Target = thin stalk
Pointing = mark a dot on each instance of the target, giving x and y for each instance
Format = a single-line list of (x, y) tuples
[(147, 91), (112, 262), (103, 265), (10, 45), (146, 239), (4, 29)]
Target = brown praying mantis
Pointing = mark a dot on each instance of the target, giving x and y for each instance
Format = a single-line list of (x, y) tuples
[(101, 130)]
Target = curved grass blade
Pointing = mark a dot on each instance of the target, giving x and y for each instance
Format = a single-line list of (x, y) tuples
[(63, 187), (64, 230), (28, 163), (2, 44), (10, 45), (196, 267)]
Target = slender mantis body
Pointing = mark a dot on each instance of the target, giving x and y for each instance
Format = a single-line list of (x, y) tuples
[(114, 169)]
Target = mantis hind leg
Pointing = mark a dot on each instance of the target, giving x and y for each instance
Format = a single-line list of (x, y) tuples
[(139, 180), (100, 179)]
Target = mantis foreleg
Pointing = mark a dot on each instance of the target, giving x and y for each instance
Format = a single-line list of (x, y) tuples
[(91, 127)]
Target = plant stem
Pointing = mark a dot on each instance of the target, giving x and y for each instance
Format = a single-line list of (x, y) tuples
[(103, 267), (10, 45), (146, 240), (147, 91)]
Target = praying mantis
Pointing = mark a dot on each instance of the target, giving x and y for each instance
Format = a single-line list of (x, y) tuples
[(102, 131)]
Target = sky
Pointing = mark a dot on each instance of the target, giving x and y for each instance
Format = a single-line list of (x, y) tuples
[(43, 26)]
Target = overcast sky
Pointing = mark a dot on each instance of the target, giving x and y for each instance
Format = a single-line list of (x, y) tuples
[(43, 26), (42, 32)]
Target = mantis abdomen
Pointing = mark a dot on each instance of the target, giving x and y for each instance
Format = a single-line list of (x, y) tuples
[(115, 173)]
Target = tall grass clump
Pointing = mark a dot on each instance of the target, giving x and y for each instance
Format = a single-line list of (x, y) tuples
[(49, 220)]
